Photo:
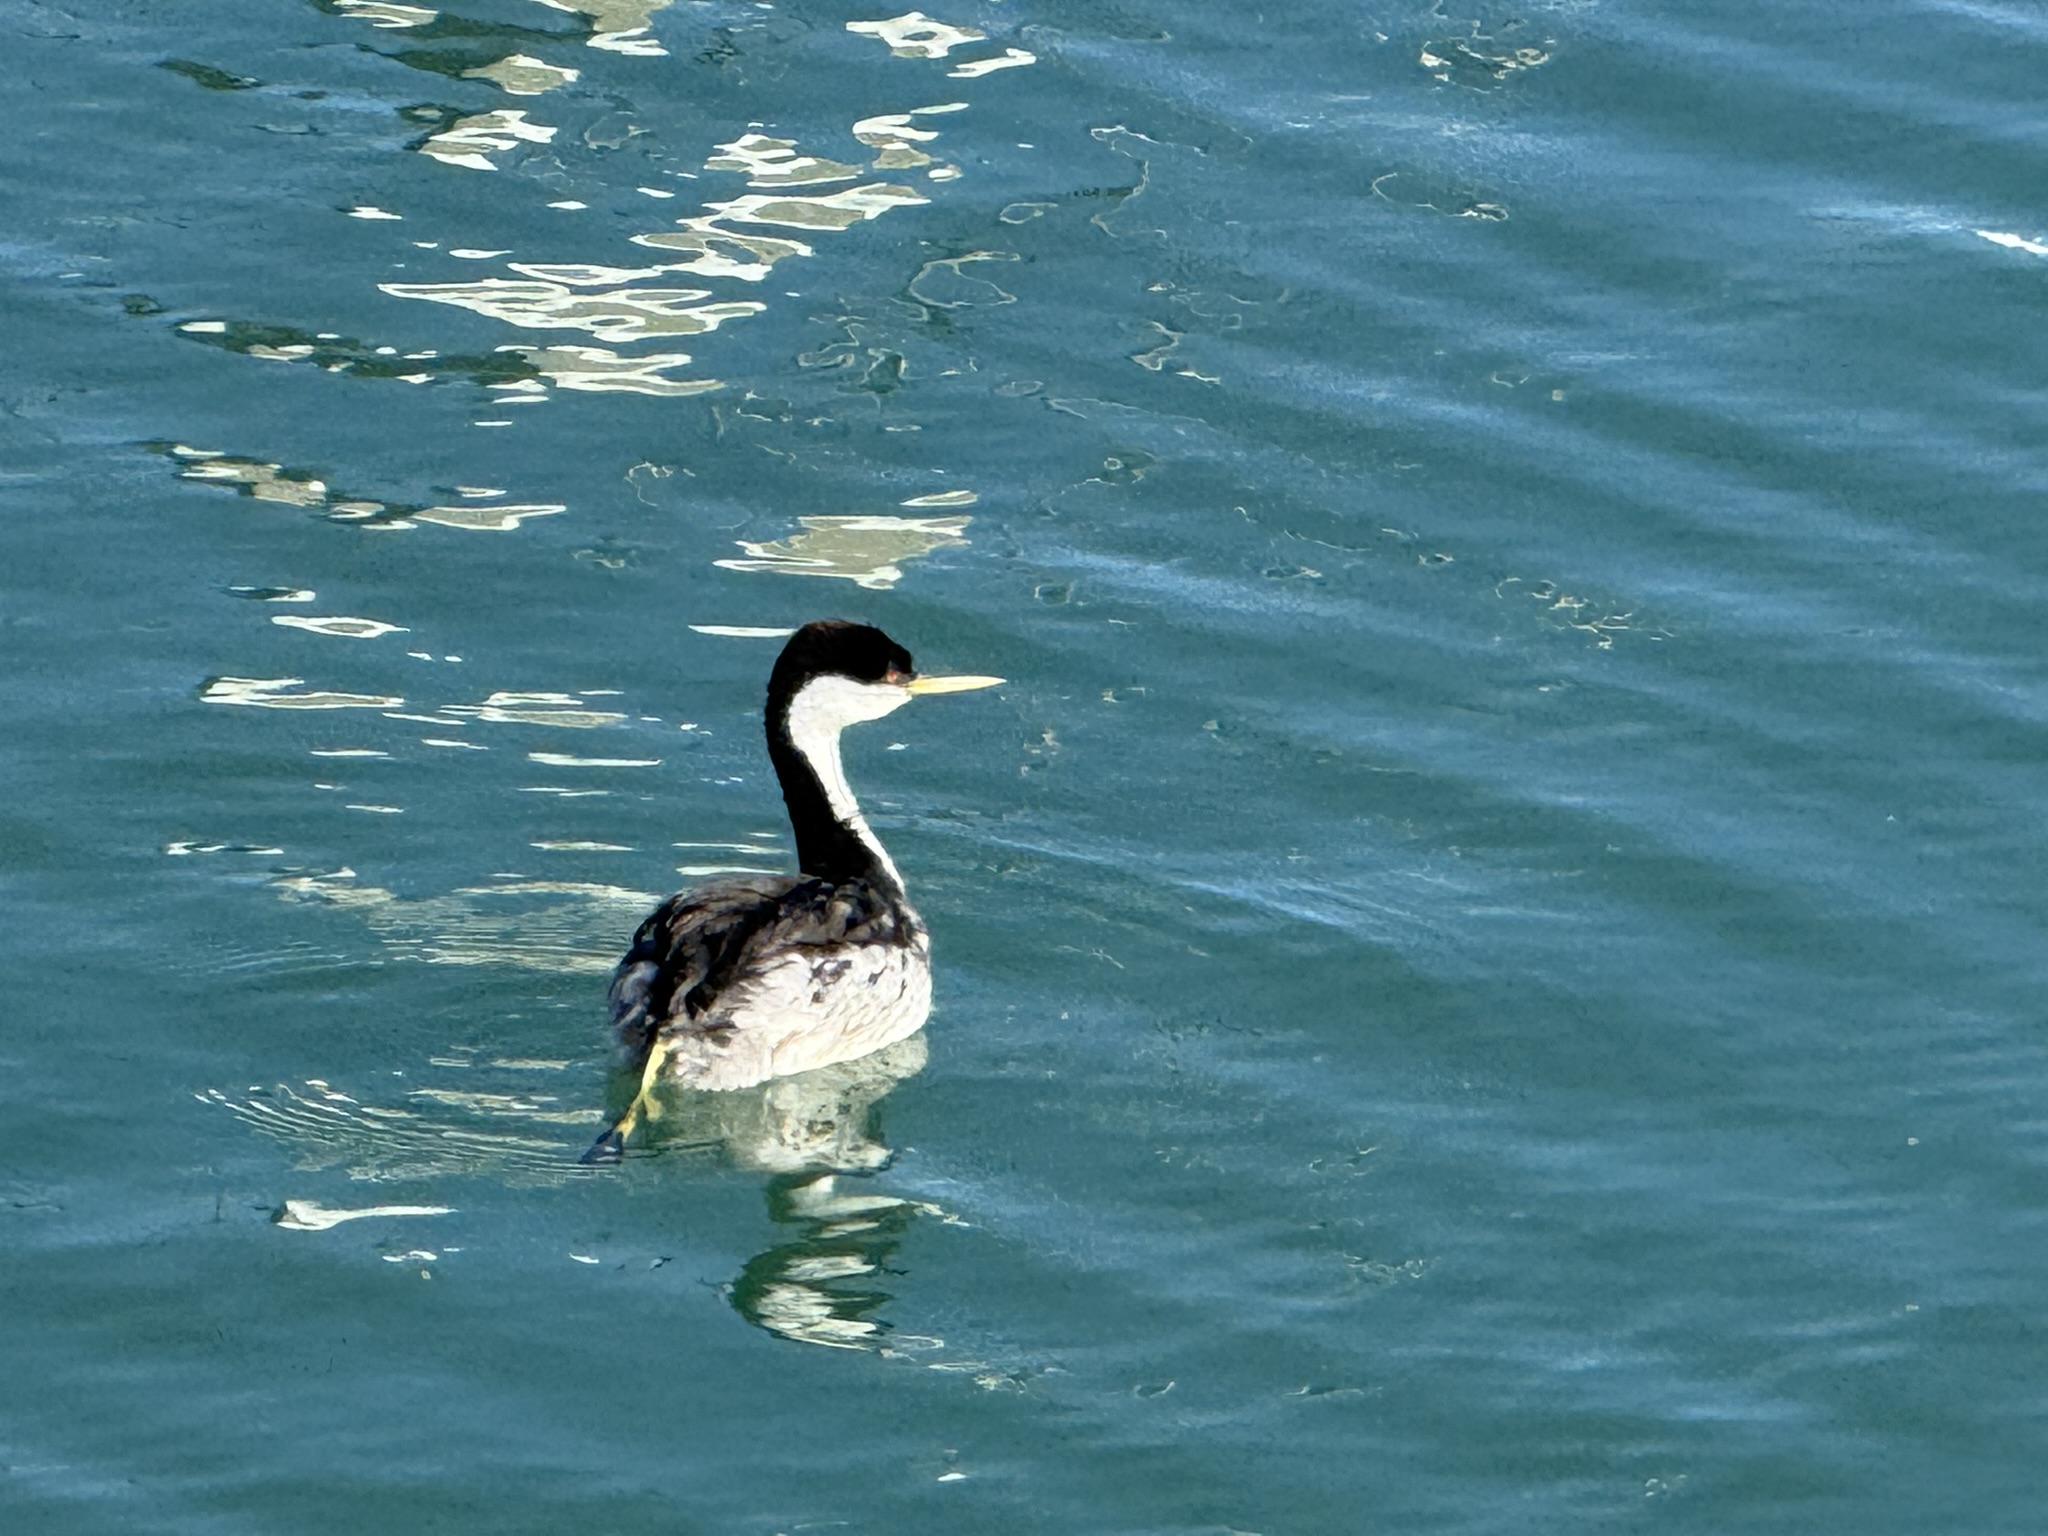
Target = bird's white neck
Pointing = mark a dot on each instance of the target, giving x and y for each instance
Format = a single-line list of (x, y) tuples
[(821, 709)]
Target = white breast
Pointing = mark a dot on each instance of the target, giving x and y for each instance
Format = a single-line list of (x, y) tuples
[(808, 1007)]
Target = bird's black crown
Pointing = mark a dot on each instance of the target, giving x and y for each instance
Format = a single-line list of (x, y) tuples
[(827, 647)]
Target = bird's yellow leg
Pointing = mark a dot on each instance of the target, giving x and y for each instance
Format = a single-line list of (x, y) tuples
[(645, 1101), (645, 1106)]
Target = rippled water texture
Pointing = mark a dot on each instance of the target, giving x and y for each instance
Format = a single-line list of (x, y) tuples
[(1489, 955)]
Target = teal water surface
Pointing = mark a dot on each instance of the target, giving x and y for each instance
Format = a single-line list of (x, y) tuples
[(1489, 953)]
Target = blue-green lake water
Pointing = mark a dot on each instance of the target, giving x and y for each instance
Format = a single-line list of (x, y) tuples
[(1489, 954)]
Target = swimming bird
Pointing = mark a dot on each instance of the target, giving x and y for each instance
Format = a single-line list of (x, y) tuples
[(763, 976)]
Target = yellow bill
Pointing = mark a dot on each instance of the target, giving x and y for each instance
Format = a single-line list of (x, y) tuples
[(962, 684)]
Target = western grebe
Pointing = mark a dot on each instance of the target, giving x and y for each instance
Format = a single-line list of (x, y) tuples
[(763, 976)]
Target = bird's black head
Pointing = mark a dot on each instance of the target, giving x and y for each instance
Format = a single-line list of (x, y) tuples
[(841, 648), (833, 674)]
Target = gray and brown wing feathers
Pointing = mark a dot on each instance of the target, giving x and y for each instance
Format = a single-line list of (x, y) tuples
[(680, 953)]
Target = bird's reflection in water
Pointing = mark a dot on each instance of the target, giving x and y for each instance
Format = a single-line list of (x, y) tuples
[(821, 1287), (818, 1135)]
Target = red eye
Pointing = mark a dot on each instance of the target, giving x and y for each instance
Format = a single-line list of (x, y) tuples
[(898, 675)]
